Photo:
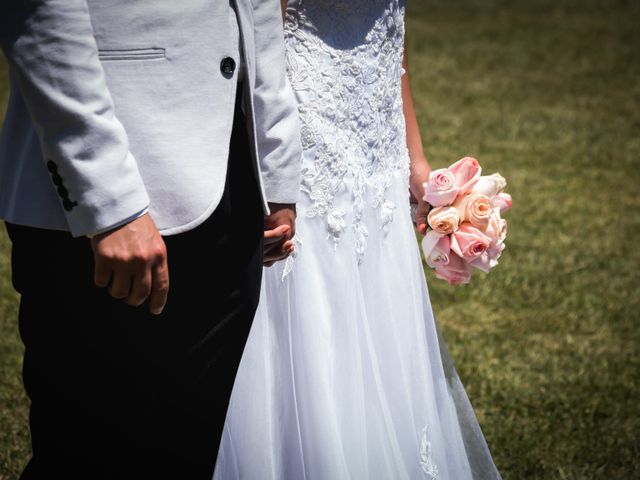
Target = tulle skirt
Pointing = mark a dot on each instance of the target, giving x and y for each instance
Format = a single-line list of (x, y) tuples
[(344, 375)]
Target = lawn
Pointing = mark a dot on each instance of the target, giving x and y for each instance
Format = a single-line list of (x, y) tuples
[(548, 93)]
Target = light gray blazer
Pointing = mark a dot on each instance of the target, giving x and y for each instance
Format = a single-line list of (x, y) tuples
[(120, 105)]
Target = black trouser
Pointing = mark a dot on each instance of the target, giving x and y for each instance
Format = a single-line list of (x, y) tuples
[(115, 391)]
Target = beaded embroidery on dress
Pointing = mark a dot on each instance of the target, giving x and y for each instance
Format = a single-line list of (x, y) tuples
[(351, 110), (344, 375)]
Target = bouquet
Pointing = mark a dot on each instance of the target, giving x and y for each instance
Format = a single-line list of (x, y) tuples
[(466, 229)]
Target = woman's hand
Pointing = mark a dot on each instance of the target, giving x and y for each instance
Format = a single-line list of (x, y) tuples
[(419, 175), (420, 168)]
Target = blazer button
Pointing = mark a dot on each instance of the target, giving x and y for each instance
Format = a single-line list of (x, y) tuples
[(62, 191), (51, 166), (227, 66), (57, 179), (68, 204)]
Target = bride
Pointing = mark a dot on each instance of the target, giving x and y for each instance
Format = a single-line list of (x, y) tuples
[(344, 375)]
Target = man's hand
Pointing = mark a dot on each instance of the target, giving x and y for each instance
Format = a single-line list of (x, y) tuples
[(280, 227), (132, 261)]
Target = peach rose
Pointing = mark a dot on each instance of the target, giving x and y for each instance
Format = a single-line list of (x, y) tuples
[(469, 242), (497, 231), (502, 201), (474, 208), (496, 228), (429, 242), (467, 173), (455, 272), (490, 185), (443, 220), (439, 255), (441, 188)]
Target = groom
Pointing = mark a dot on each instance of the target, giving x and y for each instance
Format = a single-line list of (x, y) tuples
[(143, 142)]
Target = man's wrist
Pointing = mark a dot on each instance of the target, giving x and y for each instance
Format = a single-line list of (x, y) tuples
[(120, 223), (274, 206)]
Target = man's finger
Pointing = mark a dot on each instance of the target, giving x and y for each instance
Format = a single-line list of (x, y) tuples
[(101, 274), (140, 289), (268, 261), (159, 287), (284, 246), (277, 253), (274, 254), (121, 284)]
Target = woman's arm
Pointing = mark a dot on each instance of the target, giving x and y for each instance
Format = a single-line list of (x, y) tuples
[(420, 167)]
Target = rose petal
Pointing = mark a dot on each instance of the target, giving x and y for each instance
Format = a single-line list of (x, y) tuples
[(490, 185), (440, 189), (429, 242), (456, 272), (502, 201), (442, 250), (468, 242), (467, 171)]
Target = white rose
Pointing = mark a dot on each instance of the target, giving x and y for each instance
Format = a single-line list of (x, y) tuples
[(490, 185)]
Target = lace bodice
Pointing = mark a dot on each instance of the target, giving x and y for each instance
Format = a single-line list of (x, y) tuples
[(344, 60)]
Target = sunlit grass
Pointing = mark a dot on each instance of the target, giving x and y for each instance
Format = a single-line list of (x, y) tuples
[(547, 93)]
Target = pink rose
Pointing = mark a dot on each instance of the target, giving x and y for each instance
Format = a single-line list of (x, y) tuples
[(490, 185), (502, 201), (469, 242), (497, 232), (503, 229), (429, 242), (474, 208), (439, 255), (488, 259), (455, 272), (495, 251), (467, 173), (441, 188), (497, 227), (443, 220)]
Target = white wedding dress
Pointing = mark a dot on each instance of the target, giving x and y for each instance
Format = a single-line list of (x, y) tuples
[(344, 375)]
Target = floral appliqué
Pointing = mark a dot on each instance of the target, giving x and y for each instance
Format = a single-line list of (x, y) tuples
[(429, 468), (344, 63)]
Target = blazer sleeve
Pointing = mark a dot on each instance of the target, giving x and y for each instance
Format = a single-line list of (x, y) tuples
[(277, 120), (53, 56)]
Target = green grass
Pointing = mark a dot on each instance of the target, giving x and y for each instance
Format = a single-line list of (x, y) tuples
[(548, 93), (14, 434)]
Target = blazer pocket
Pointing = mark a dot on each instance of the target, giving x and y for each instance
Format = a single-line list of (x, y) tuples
[(132, 54)]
